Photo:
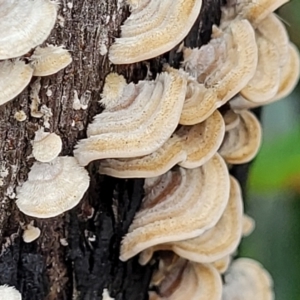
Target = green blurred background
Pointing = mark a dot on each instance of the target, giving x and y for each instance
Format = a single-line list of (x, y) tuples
[(273, 195)]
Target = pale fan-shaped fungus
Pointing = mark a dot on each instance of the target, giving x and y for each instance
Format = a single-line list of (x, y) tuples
[(248, 225), (264, 85), (49, 60), (242, 143), (190, 147), (187, 280), (231, 119), (194, 208), (215, 243), (154, 131), (31, 233), (222, 264), (246, 279), (46, 146), (52, 188), (9, 293), (154, 34), (24, 25), (14, 77)]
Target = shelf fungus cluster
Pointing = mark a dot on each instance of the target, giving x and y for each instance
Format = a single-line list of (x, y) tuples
[(24, 26), (173, 132)]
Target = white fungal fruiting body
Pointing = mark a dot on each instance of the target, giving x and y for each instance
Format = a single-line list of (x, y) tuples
[(150, 136), (165, 33), (52, 188), (24, 25), (14, 77), (46, 146), (31, 233), (49, 60), (9, 293)]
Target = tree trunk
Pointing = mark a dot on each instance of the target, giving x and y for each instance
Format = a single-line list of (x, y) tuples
[(50, 268)]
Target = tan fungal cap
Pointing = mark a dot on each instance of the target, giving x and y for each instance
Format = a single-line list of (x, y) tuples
[(49, 60), (188, 280), (248, 225), (242, 143), (156, 124), (265, 83), (31, 233), (150, 35), (246, 279), (231, 119), (10, 293), (14, 77), (52, 188), (190, 146), (217, 242), (222, 264), (193, 206), (24, 25), (46, 146)]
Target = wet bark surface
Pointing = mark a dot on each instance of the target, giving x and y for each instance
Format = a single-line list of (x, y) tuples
[(76, 256)]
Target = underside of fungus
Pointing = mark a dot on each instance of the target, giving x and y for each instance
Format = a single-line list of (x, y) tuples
[(158, 122), (152, 34), (190, 147), (49, 60), (24, 25), (9, 293), (193, 207), (14, 77), (215, 243), (246, 279), (52, 188)]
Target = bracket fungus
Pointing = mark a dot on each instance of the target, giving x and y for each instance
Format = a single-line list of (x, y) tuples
[(31, 233), (49, 60), (242, 143), (190, 147), (9, 293), (248, 225), (194, 207), (186, 280), (46, 146), (153, 34), (222, 264), (215, 243), (21, 75), (246, 279), (52, 188), (24, 25), (154, 131)]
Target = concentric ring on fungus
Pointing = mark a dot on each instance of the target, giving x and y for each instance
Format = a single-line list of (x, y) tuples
[(193, 207)]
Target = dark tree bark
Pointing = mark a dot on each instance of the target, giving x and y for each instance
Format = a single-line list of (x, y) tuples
[(45, 269)]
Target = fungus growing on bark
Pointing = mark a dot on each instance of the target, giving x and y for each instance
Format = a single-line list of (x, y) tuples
[(264, 85), (190, 147), (246, 279), (187, 280), (24, 25), (20, 115), (46, 146), (191, 209), (9, 292), (157, 125), (31, 233), (52, 188), (215, 243), (242, 143), (49, 60), (14, 77), (148, 36)]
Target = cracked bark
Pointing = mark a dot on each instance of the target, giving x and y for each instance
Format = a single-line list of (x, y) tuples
[(45, 269)]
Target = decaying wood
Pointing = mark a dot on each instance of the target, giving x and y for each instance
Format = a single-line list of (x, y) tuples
[(76, 256)]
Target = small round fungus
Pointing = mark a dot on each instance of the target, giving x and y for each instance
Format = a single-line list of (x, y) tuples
[(31, 233), (14, 77), (52, 188), (46, 146), (9, 293), (24, 25), (49, 60)]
